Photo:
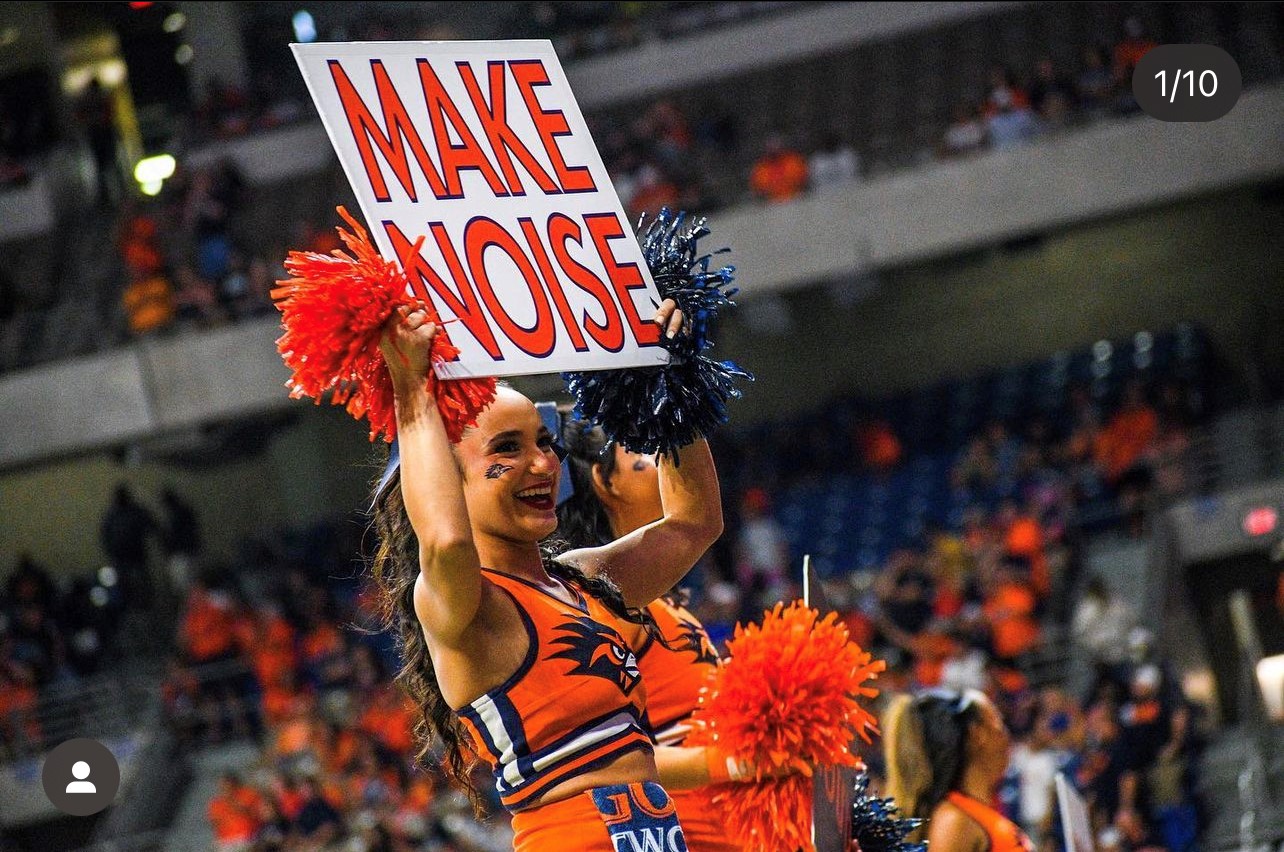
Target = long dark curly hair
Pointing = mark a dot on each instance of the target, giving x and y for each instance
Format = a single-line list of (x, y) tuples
[(395, 567)]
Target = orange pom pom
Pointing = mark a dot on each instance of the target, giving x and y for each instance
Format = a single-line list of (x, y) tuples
[(787, 696), (334, 310)]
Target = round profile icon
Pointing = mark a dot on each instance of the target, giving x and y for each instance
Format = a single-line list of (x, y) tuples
[(81, 777)]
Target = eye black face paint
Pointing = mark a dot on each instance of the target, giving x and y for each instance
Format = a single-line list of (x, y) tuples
[(497, 470)]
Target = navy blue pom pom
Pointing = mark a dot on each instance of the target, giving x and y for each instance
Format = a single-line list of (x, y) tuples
[(662, 409), (877, 825), (681, 275)]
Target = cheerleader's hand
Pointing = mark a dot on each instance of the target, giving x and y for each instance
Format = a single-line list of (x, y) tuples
[(724, 768), (669, 318), (407, 345)]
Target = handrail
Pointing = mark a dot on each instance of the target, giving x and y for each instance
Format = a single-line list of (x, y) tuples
[(100, 706)]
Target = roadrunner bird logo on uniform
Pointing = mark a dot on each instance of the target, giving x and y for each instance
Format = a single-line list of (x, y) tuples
[(597, 650), (695, 640)]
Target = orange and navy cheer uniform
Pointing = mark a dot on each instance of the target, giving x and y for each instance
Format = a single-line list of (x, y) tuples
[(1003, 833), (673, 678), (575, 704), (675, 674)]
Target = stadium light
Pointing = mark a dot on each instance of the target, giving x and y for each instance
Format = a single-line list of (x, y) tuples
[(152, 172), (305, 29), (1270, 679), (154, 169), (111, 73)]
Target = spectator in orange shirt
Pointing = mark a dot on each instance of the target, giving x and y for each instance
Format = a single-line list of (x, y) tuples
[(149, 303), (271, 646), (1009, 608), (209, 636), (1127, 435), (138, 247), (1024, 540), (390, 719), (236, 815), (1136, 44), (879, 447), (1128, 53), (324, 657), (303, 744), (780, 174), (207, 632)]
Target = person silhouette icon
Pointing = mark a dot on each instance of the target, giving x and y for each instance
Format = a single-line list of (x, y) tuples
[(81, 770)]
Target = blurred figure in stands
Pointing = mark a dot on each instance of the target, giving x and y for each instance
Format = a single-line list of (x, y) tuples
[(1011, 122), (209, 637), (879, 449), (1122, 451), (780, 174), (1101, 624), (1004, 92), (652, 190), (125, 529), (905, 594), (196, 302), (1052, 94), (180, 536), (833, 163), (1128, 52), (98, 116), (20, 732), (38, 643), (762, 554), (318, 822), (1145, 726), (1127, 434), (1172, 784), (1095, 85), (966, 132), (236, 813), (30, 583), (149, 304)]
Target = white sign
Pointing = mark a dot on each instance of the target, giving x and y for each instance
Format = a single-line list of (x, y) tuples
[(480, 148), (1075, 825)]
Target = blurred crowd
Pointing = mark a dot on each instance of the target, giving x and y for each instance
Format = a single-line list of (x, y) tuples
[(297, 668), (183, 264), (659, 160), (57, 633), (1018, 107)]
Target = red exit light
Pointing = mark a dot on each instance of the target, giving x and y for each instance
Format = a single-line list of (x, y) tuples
[(1261, 521)]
